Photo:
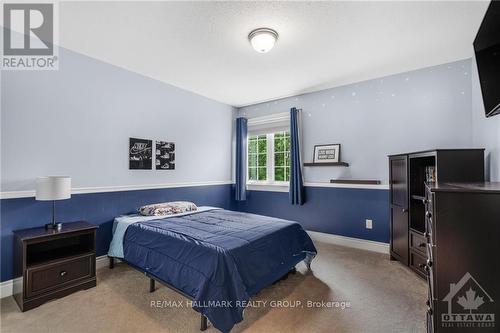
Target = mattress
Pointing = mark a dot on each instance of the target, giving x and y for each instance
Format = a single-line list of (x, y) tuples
[(218, 257)]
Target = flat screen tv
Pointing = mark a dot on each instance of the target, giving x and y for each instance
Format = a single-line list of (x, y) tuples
[(487, 49)]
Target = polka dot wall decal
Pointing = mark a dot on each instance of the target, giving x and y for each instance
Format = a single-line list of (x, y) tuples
[(465, 73), (323, 105), (407, 79), (462, 92), (353, 93), (333, 97), (393, 95)]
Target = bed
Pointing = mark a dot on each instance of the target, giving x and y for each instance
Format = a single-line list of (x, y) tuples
[(215, 257)]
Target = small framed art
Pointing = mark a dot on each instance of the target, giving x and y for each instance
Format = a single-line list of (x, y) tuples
[(140, 154), (327, 153), (165, 155)]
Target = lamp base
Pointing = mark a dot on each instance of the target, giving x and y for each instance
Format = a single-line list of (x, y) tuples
[(56, 226)]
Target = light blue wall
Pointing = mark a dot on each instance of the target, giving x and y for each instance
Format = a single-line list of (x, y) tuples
[(422, 109), (77, 121), (486, 131)]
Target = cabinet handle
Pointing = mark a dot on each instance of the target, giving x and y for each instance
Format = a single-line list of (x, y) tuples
[(428, 214), (425, 201), (429, 263), (405, 210), (424, 267), (63, 273)]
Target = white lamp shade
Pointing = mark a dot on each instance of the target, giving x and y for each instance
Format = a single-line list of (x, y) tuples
[(53, 188)]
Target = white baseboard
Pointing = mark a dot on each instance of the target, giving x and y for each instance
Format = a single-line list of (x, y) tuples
[(356, 243), (6, 287)]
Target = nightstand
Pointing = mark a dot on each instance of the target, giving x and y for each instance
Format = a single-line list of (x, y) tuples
[(53, 263)]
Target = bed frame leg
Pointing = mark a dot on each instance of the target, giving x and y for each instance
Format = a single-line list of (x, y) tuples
[(151, 285), (111, 262), (204, 324)]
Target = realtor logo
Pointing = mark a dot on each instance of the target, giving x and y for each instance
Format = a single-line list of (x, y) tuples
[(469, 305), (29, 36)]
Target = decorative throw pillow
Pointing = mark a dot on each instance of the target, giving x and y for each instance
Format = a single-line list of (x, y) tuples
[(167, 208)]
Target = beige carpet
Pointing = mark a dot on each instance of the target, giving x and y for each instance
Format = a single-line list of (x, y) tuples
[(384, 297)]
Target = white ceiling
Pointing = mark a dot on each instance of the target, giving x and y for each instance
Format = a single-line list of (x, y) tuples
[(203, 46)]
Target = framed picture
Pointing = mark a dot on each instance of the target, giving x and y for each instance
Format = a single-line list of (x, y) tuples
[(140, 154), (165, 155), (327, 153)]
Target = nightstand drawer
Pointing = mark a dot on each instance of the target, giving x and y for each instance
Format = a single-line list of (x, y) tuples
[(59, 274)]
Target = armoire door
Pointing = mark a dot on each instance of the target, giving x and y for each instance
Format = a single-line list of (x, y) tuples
[(398, 172)]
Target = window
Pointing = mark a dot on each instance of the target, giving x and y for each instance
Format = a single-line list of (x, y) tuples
[(257, 157), (269, 157), (282, 156)]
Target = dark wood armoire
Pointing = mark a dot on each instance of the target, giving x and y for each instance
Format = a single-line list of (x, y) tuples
[(408, 174)]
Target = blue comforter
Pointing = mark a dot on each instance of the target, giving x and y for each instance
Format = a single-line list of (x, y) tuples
[(220, 258)]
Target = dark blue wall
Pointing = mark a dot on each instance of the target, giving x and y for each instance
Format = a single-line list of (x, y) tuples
[(340, 211), (97, 208)]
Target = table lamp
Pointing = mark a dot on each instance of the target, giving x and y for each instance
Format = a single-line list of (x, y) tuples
[(53, 188)]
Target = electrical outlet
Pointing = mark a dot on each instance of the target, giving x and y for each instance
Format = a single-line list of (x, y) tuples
[(369, 224)]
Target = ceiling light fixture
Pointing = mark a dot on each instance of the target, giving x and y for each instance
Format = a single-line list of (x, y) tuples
[(263, 39)]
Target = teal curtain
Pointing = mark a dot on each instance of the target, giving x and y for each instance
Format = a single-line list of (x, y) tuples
[(241, 159), (296, 193)]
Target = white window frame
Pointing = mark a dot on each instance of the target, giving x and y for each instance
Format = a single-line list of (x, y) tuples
[(270, 182)]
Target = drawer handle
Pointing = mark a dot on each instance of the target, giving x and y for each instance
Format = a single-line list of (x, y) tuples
[(424, 267), (63, 273)]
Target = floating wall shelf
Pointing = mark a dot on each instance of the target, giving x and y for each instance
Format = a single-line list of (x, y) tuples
[(341, 164), (356, 181)]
